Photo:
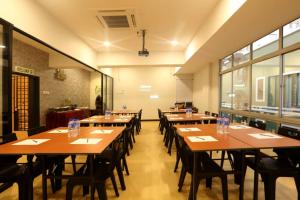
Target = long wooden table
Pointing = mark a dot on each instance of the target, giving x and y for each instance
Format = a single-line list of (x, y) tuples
[(102, 120), (125, 112), (175, 111), (177, 118), (234, 139), (60, 144)]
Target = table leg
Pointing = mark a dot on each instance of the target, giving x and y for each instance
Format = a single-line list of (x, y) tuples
[(44, 177), (255, 187), (91, 160), (241, 194), (194, 194)]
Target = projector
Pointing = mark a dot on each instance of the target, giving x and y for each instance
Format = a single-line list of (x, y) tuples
[(144, 52)]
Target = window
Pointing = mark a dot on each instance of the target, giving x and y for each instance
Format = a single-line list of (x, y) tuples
[(266, 45), (265, 86), (241, 56), (291, 33), (226, 63), (226, 90), (241, 89), (291, 90)]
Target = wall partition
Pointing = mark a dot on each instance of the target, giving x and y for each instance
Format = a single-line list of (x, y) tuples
[(262, 80)]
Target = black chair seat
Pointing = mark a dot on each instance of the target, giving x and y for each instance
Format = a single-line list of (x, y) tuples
[(11, 172), (271, 165)]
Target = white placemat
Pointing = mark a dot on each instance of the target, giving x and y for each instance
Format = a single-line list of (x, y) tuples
[(189, 129), (265, 136), (202, 139), (174, 118), (102, 132), (31, 142), (239, 127), (59, 131), (87, 141)]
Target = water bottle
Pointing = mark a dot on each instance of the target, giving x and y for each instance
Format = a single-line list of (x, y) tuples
[(106, 116), (71, 128), (77, 127), (225, 125), (219, 123)]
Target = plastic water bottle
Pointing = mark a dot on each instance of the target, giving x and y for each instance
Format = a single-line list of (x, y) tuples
[(106, 114), (225, 125), (219, 124), (77, 127), (71, 128)]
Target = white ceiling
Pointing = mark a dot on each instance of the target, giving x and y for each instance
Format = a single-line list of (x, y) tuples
[(164, 20)]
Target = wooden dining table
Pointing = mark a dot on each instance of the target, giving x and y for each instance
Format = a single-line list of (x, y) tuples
[(238, 137), (195, 117), (175, 111), (125, 112), (91, 141), (106, 120)]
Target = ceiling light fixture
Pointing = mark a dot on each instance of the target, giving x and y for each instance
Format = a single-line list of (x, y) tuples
[(2, 46), (107, 43), (174, 42)]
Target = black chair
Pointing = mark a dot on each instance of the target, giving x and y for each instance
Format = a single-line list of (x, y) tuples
[(11, 172), (103, 169), (214, 121), (207, 113), (55, 164), (139, 123), (160, 117), (285, 165), (206, 168), (235, 156)]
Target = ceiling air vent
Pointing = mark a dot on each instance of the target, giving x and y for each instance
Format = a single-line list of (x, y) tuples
[(115, 19)]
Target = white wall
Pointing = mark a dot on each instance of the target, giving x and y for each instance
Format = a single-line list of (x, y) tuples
[(184, 87), (127, 90), (205, 88), (30, 17)]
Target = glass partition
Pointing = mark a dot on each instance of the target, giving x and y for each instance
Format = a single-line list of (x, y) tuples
[(241, 56), (291, 90), (241, 89), (226, 90), (265, 86), (104, 91), (109, 93), (266, 45), (291, 33), (226, 63)]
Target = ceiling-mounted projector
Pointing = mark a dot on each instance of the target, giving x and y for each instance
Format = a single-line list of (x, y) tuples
[(144, 51)]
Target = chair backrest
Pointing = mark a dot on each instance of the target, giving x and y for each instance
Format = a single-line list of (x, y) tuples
[(159, 113), (207, 113), (258, 124), (7, 159), (289, 154), (36, 130), (215, 114), (140, 114)]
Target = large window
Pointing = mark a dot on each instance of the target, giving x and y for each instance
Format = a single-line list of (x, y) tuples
[(263, 80), (265, 86), (226, 63), (241, 89), (266, 45), (241, 56), (291, 77), (291, 33), (226, 90)]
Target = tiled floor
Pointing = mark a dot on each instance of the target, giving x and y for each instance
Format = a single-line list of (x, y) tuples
[(152, 177)]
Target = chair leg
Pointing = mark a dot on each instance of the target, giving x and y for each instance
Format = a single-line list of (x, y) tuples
[(125, 165), (270, 187), (132, 135), (177, 162), (121, 177), (196, 188), (222, 159), (170, 144), (73, 157), (113, 180), (224, 187), (101, 190), (209, 182), (181, 179), (297, 182), (69, 191)]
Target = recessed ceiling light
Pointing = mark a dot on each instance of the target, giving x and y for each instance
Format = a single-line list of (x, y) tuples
[(107, 43), (174, 42)]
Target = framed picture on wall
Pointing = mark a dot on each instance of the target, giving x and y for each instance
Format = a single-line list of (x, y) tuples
[(260, 89)]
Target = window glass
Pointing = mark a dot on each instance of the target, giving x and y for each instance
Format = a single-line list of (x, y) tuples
[(226, 90), (291, 90), (240, 93), (265, 86), (227, 115), (266, 45), (239, 119), (226, 63), (241, 56), (291, 33)]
